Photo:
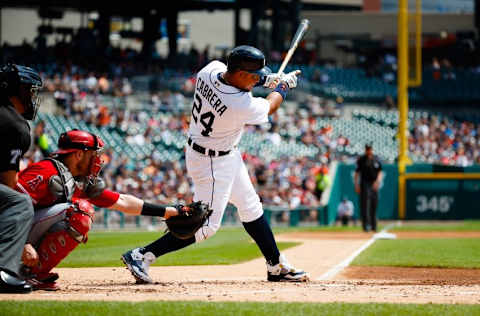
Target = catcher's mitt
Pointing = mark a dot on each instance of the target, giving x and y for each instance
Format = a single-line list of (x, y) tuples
[(191, 217)]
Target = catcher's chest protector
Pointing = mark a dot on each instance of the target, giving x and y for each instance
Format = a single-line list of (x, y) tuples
[(63, 185)]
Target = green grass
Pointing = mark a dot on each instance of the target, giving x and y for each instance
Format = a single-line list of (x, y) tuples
[(444, 253), (461, 226), (228, 246), (80, 308)]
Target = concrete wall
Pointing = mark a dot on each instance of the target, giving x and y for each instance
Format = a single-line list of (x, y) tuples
[(214, 28), (20, 24), (381, 24)]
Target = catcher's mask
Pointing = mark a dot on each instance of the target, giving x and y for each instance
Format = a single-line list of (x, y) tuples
[(24, 83), (75, 140)]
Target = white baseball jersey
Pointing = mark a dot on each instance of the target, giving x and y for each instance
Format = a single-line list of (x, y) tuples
[(220, 111), (219, 114)]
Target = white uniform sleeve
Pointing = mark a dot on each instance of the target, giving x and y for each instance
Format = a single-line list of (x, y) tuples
[(256, 112)]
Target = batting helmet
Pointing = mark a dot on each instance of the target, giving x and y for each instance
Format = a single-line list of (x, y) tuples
[(24, 83), (81, 140), (249, 59)]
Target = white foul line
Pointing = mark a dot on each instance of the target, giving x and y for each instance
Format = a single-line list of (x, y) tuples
[(342, 265)]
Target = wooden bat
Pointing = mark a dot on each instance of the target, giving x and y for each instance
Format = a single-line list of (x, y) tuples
[(302, 28)]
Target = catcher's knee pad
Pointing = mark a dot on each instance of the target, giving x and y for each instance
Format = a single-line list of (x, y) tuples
[(64, 236), (80, 217), (205, 232)]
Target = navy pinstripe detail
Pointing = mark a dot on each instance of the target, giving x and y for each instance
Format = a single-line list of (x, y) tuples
[(213, 183)]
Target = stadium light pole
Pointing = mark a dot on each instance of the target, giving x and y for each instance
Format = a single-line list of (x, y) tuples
[(402, 99)]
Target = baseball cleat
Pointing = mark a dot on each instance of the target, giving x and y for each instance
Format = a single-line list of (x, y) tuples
[(42, 285), (284, 272), (138, 264), (48, 277), (12, 284), (40, 281)]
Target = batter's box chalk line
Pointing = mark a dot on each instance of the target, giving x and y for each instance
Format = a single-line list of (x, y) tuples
[(330, 274)]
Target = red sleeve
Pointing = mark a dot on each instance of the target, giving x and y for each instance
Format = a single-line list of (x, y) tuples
[(33, 181), (106, 199)]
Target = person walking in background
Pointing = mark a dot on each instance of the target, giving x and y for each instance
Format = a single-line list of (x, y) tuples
[(368, 176)]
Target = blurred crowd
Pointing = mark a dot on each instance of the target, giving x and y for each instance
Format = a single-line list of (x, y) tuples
[(446, 141)]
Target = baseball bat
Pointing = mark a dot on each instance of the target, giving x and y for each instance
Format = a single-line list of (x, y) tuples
[(302, 28)]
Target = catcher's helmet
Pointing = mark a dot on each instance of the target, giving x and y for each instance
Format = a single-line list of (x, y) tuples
[(24, 83), (78, 140), (249, 59), (81, 140)]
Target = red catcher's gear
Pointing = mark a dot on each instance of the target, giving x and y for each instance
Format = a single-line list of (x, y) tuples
[(64, 236), (75, 139)]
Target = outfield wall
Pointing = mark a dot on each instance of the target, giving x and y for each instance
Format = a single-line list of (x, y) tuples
[(343, 186), (427, 199)]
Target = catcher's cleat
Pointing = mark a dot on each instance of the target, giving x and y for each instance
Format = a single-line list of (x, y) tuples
[(138, 264), (48, 277), (41, 285), (284, 272)]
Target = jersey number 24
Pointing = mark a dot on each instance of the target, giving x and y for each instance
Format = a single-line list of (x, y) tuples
[(206, 119)]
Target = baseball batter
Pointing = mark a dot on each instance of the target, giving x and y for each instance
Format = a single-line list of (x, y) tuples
[(223, 105)]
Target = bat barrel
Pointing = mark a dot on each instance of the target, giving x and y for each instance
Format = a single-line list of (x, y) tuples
[(302, 28)]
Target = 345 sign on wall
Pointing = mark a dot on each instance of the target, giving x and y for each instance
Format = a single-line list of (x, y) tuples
[(442, 199), (442, 203)]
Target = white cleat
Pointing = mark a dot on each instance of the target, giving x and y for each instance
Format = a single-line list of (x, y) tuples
[(138, 264), (285, 272)]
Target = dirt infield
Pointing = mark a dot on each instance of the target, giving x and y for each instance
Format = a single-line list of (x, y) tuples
[(318, 254)]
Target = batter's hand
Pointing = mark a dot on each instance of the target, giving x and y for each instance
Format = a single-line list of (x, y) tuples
[(29, 256), (272, 80), (291, 78)]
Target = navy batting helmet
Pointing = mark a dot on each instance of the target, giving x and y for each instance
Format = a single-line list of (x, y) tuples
[(249, 59)]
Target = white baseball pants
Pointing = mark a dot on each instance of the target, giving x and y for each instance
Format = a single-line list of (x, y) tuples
[(219, 180)]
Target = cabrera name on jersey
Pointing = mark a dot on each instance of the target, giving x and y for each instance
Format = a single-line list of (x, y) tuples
[(220, 111)]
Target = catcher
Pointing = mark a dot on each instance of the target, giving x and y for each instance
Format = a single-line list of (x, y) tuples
[(63, 189)]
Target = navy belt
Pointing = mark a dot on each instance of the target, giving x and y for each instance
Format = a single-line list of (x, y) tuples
[(205, 151)]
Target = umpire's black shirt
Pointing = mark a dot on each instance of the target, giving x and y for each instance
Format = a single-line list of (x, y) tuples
[(14, 137), (368, 169)]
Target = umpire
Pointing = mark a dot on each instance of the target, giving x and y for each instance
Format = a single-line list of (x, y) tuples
[(19, 88), (368, 176)]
